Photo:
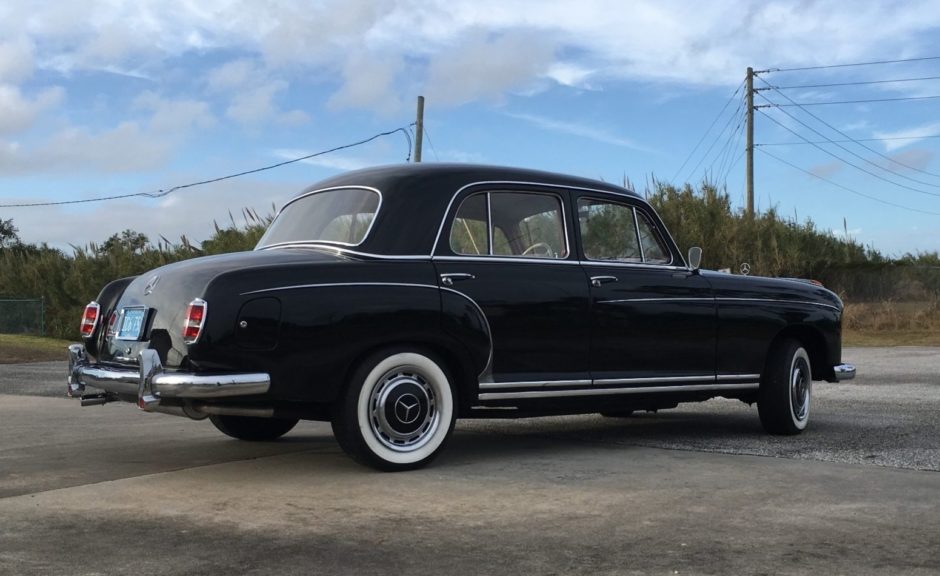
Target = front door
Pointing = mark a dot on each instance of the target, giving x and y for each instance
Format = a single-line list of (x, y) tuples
[(653, 321)]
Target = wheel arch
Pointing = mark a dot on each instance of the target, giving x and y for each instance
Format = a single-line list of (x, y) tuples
[(812, 339), (457, 363)]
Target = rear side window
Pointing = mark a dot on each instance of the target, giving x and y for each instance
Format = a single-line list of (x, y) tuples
[(510, 224), (338, 216), (620, 233)]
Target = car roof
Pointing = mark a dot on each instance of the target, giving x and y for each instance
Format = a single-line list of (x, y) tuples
[(415, 197)]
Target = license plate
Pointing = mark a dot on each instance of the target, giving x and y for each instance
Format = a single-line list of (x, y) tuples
[(132, 323)]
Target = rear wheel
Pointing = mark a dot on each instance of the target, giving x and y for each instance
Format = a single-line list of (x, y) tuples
[(253, 429), (397, 412), (786, 389)]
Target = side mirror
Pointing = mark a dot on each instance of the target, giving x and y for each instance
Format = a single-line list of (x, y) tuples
[(695, 258)]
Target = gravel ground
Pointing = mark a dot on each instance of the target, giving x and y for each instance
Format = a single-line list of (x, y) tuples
[(889, 415)]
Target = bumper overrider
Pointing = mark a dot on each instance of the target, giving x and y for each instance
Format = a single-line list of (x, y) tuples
[(844, 372), (151, 384)]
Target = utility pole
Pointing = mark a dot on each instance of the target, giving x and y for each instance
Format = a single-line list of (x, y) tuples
[(749, 151), (419, 128)]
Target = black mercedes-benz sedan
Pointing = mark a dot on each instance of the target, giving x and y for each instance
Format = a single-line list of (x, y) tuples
[(392, 301)]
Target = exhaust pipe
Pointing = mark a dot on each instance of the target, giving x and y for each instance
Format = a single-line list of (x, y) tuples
[(98, 399)]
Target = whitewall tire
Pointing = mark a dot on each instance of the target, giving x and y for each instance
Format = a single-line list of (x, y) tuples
[(786, 389), (398, 411)]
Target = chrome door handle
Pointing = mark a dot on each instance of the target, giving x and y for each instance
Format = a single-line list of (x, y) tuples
[(596, 281), (449, 279)]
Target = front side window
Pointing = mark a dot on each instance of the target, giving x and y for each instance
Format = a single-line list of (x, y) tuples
[(619, 233), (513, 224), (340, 216)]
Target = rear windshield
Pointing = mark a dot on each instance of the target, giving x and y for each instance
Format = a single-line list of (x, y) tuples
[(339, 216)]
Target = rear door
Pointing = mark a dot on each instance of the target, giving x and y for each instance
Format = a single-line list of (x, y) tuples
[(508, 248)]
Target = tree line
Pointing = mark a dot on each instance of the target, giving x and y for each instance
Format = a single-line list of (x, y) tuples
[(704, 216)]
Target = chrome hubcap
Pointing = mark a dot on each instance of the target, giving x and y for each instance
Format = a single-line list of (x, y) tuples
[(799, 390), (403, 410)]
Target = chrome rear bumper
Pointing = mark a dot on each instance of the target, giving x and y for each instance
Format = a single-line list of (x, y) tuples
[(844, 372), (150, 384)]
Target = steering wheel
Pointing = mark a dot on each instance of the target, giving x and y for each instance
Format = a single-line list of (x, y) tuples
[(539, 249)]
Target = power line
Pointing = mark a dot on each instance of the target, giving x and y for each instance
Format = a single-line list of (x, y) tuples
[(737, 113), (869, 148), (850, 140), (161, 193), (853, 101), (852, 64), (707, 130), (431, 144), (846, 188), (860, 83), (856, 166)]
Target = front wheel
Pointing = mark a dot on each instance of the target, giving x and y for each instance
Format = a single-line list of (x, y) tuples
[(253, 429), (397, 412), (786, 389)]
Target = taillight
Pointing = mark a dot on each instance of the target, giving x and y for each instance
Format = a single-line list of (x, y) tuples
[(194, 321), (90, 319)]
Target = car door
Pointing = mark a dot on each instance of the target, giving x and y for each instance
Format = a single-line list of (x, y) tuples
[(653, 320), (508, 249)]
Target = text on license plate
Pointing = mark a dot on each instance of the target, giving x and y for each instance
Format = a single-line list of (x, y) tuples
[(132, 323)]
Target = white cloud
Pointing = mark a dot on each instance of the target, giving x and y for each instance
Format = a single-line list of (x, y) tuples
[(16, 61), (190, 212), (582, 130), (253, 92), (129, 146), (333, 161), (826, 170), (17, 112), (569, 41), (907, 136), (916, 159), (369, 82), (125, 148), (485, 67), (174, 117)]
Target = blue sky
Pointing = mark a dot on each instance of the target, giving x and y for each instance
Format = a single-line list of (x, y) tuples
[(110, 98)]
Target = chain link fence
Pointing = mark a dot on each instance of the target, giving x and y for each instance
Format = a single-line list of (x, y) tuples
[(23, 316), (884, 283)]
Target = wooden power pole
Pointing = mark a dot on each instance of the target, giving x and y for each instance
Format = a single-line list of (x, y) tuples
[(749, 150), (419, 128)]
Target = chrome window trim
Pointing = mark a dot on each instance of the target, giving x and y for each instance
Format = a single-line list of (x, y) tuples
[(633, 265), (515, 259), (491, 237), (323, 245), (490, 226), (365, 236), (530, 394), (450, 204), (636, 229)]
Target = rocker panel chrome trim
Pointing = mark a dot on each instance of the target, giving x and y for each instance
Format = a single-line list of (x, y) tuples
[(533, 384), (530, 394)]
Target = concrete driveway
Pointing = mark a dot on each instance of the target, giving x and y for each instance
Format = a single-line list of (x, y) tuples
[(698, 490)]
